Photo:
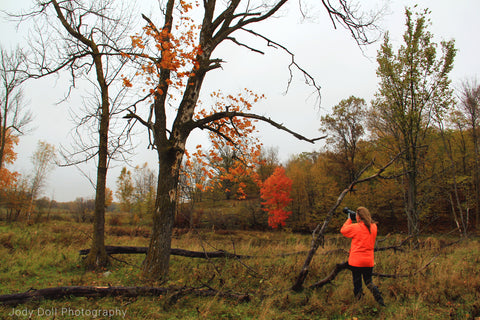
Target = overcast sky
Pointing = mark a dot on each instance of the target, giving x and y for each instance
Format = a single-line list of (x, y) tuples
[(338, 65)]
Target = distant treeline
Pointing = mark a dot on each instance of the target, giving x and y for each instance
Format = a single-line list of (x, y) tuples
[(446, 192)]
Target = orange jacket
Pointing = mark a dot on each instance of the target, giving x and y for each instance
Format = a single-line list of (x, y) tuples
[(363, 243)]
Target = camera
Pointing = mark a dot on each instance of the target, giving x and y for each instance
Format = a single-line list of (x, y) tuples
[(351, 214)]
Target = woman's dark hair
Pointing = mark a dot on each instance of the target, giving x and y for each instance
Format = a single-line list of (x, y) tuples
[(365, 216)]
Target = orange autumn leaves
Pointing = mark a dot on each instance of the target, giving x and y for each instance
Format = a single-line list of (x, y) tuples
[(276, 195), (231, 131), (177, 48), (8, 178), (234, 134)]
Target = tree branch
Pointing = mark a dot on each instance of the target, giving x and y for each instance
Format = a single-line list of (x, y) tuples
[(339, 267), (244, 45), (202, 123), (347, 16), (308, 78), (132, 115)]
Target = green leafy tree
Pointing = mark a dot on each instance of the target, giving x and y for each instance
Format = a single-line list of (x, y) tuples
[(145, 182), (346, 126), (414, 85), (125, 189), (314, 189), (43, 161)]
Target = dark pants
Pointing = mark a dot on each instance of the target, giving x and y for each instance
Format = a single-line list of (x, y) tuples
[(358, 273), (366, 273)]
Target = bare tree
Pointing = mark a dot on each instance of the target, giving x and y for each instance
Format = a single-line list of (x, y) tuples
[(14, 119), (218, 25), (81, 37), (269, 160)]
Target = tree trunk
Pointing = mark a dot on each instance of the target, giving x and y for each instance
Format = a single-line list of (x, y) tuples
[(412, 214), (454, 203), (2, 138), (317, 240), (411, 201), (98, 257), (156, 264)]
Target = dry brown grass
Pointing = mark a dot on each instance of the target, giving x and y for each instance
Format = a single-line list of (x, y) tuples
[(46, 254)]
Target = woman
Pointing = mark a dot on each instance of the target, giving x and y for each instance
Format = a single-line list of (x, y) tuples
[(361, 258)]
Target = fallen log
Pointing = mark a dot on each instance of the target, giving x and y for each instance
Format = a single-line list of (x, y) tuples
[(197, 254), (176, 252), (118, 250), (92, 291)]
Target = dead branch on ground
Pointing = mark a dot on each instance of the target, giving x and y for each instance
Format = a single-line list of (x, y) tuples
[(176, 252), (339, 267), (201, 254), (93, 291)]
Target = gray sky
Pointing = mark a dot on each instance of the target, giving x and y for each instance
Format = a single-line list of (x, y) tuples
[(330, 55)]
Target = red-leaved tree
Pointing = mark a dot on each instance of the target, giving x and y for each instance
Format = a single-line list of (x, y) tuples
[(276, 193)]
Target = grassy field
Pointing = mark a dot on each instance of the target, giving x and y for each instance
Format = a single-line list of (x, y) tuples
[(46, 255)]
